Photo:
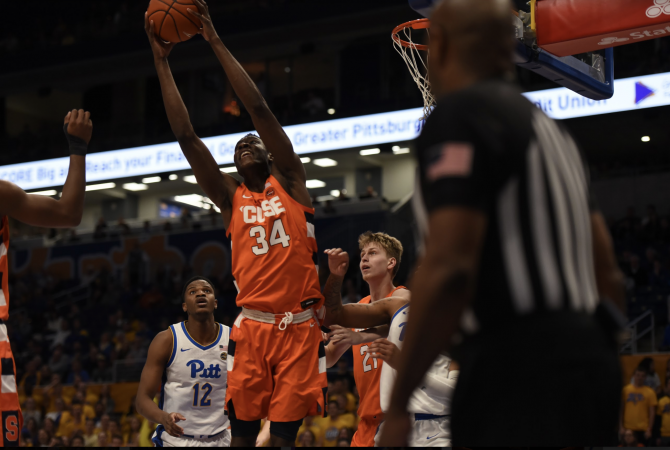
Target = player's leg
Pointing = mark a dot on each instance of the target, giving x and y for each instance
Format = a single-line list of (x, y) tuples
[(283, 434), (300, 380), (249, 380), (366, 432)]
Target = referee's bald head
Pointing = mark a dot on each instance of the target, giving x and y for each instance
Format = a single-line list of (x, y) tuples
[(469, 40)]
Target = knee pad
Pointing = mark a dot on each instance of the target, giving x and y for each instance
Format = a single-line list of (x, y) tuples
[(286, 430)]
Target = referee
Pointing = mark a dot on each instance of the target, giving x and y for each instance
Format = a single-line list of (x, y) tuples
[(518, 279)]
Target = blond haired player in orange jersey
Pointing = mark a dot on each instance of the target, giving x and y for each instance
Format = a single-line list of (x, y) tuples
[(380, 261), (39, 211), (276, 359)]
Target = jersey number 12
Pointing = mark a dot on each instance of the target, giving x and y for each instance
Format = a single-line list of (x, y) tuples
[(277, 236), (206, 390)]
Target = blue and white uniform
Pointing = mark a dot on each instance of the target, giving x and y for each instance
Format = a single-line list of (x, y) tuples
[(430, 403), (194, 385)]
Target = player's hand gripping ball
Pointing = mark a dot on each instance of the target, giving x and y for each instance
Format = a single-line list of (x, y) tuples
[(172, 21)]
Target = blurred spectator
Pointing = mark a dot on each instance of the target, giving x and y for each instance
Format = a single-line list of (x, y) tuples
[(658, 277), (146, 230), (106, 399), (77, 442), (59, 362), (306, 439), (328, 208), (651, 379), (346, 434), (314, 106), (102, 373), (343, 443), (639, 405), (369, 193), (73, 236), (115, 429), (43, 438), (30, 431), (132, 437), (103, 426), (77, 371), (123, 228), (30, 411), (336, 420), (102, 439), (630, 440), (72, 422), (117, 441), (90, 434), (31, 377), (186, 219), (56, 415), (100, 229), (340, 390), (663, 411), (636, 275)]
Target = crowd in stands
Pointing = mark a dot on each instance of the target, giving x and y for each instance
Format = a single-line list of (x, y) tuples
[(645, 408), (642, 246)]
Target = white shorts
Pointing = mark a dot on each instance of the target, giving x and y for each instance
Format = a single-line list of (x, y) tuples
[(162, 439), (427, 431)]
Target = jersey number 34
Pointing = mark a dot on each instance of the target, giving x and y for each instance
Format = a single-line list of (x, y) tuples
[(277, 236)]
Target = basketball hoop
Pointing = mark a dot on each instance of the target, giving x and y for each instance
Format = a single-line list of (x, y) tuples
[(411, 54)]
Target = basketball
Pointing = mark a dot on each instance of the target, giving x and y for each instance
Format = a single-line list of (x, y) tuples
[(172, 21)]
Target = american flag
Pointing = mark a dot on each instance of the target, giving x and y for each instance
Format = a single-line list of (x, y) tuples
[(455, 160)]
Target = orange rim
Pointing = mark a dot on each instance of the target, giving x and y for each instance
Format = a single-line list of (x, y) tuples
[(419, 24)]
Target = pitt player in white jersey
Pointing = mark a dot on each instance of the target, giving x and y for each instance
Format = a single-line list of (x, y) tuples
[(430, 404), (188, 365)]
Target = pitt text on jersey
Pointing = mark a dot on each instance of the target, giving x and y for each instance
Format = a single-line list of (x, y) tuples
[(197, 366)]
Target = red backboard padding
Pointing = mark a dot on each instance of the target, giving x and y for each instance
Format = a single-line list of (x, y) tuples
[(568, 27)]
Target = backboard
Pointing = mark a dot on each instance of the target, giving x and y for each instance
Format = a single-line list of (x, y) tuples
[(589, 74)]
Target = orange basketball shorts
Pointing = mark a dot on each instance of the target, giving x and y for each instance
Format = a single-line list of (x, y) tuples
[(10, 411), (276, 374), (365, 435)]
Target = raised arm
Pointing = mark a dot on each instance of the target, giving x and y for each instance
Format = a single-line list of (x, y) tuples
[(150, 384), (218, 186), (41, 211), (353, 315), (275, 139)]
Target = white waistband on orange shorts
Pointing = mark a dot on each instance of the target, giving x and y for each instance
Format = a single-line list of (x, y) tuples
[(282, 319)]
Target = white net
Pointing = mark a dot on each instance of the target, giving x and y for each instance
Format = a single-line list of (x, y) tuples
[(416, 63)]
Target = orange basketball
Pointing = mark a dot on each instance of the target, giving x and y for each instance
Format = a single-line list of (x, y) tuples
[(172, 21)]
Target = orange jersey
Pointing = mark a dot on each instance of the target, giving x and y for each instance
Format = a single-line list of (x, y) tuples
[(273, 250), (12, 420), (367, 371)]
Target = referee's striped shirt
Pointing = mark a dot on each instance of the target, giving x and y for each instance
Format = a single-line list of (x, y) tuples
[(487, 147)]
